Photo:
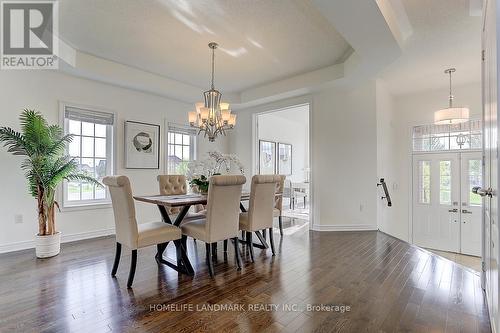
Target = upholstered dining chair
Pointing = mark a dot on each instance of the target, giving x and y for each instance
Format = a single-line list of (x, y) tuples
[(260, 209), (134, 235), (221, 222), (172, 185), (176, 185), (278, 202)]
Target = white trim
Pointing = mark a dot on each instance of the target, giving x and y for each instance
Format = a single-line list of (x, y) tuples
[(280, 106), (23, 245), (343, 227)]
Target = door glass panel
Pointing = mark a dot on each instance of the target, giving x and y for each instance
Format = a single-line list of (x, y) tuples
[(475, 179), (445, 182), (424, 179)]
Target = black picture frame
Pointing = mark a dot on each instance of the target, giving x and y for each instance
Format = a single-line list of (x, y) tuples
[(262, 158), (285, 168), (132, 158)]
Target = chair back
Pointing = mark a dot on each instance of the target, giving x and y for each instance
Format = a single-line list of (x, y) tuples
[(223, 206), (278, 201), (172, 185), (262, 201), (287, 188), (123, 209)]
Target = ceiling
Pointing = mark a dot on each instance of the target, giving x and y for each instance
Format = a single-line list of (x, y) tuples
[(260, 42), (298, 114), (446, 33)]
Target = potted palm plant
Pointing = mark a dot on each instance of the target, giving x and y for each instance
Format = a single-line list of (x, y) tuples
[(46, 165)]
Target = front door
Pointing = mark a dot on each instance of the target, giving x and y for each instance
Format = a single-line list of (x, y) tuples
[(446, 214), (436, 197)]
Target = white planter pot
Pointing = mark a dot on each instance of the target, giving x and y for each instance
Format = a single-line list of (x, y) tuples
[(48, 246)]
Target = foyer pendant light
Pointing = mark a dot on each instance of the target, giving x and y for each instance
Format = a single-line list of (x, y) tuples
[(451, 114), (212, 116)]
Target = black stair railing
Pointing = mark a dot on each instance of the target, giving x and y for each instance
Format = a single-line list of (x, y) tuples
[(386, 192)]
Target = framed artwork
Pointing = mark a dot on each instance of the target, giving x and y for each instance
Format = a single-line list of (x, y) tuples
[(267, 157), (284, 159), (142, 145)]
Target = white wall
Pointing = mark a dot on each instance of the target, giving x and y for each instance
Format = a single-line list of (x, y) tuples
[(344, 158), (343, 152), (42, 90), (289, 126), (408, 111), (386, 159)]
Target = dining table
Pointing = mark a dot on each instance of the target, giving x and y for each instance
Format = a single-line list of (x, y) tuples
[(185, 202)]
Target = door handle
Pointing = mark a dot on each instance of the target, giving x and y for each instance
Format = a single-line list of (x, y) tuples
[(483, 192), (454, 210), (465, 211)]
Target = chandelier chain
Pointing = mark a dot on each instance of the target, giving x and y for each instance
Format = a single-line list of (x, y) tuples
[(213, 67)]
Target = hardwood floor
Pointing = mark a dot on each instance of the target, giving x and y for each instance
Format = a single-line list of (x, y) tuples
[(388, 285)]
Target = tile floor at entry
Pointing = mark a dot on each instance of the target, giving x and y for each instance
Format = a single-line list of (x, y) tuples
[(471, 262)]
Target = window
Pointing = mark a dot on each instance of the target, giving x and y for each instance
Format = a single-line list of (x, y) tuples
[(445, 182), (464, 136), (181, 142), (92, 148), (424, 186), (475, 179)]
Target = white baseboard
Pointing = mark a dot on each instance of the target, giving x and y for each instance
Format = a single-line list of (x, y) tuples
[(23, 245), (344, 227)]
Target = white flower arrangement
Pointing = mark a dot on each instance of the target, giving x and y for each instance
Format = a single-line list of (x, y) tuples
[(199, 171)]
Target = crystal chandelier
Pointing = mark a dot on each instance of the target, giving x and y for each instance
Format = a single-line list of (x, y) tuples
[(451, 114), (212, 117)]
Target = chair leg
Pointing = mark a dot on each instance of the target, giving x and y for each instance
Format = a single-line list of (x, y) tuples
[(184, 241), (131, 274), (237, 255), (214, 251), (271, 240), (280, 222), (250, 245), (304, 202), (243, 234), (225, 245), (209, 259), (117, 258), (264, 233)]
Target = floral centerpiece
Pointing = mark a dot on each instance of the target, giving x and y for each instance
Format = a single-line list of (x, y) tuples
[(200, 171)]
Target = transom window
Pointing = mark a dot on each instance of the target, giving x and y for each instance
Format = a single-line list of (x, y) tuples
[(92, 148), (181, 142), (464, 136)]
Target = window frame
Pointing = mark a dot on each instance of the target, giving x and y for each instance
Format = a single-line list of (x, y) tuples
[(448, 134), (180, 129), (110, 149)]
